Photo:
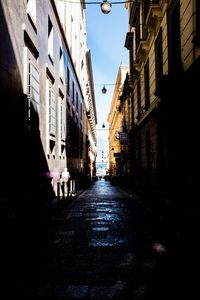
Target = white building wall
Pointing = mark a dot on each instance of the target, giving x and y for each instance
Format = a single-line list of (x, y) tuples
[(36, 34)]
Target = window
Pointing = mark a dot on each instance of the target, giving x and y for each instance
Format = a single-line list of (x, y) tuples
[(31, 10), (62, 119), (30, 45), (81, 111), (82, 64), (50, 40), (158, 59), (138, 99), (73, 93), (33, 88), (197, 37), (61, 66), (52, 111), (68, 82), (137, 31), (77, 102), (146, 85), (174, 38)]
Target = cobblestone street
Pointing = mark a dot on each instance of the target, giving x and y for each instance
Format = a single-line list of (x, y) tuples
[(103, 245)]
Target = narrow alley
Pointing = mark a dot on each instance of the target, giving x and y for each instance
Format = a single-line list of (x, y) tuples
[(104, 245), (94, 90)]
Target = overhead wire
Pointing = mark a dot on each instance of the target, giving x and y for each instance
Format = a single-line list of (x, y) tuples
[(96, 2)]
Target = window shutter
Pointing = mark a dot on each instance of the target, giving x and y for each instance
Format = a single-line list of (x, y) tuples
[(52, 112), (63, 122), (33, 86)]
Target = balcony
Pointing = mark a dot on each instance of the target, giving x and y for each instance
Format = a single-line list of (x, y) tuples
[(152, 13), (143, 45)]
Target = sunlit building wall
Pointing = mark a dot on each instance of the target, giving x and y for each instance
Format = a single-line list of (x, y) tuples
[(163, 44), (73, 19), (116, 119), (90, 118), (48, 67)]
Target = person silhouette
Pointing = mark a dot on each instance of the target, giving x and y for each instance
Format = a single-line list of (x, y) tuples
[(65, 176)]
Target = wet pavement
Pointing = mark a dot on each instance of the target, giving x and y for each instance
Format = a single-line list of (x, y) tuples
[(105, 245)]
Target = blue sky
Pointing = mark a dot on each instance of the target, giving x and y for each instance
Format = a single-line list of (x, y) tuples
[(105, 38)]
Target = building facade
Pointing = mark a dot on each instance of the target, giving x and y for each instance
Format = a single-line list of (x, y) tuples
[(117, 120), (163, 44), (44, 72), (82, 144), (90, 122)]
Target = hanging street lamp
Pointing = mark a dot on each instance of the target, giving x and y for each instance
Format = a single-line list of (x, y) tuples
[(105, 4), (105, 7), (104, 90)]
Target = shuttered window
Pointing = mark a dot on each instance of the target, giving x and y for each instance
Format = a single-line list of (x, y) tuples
[(62, 120), (52, 111), (33, 87)]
